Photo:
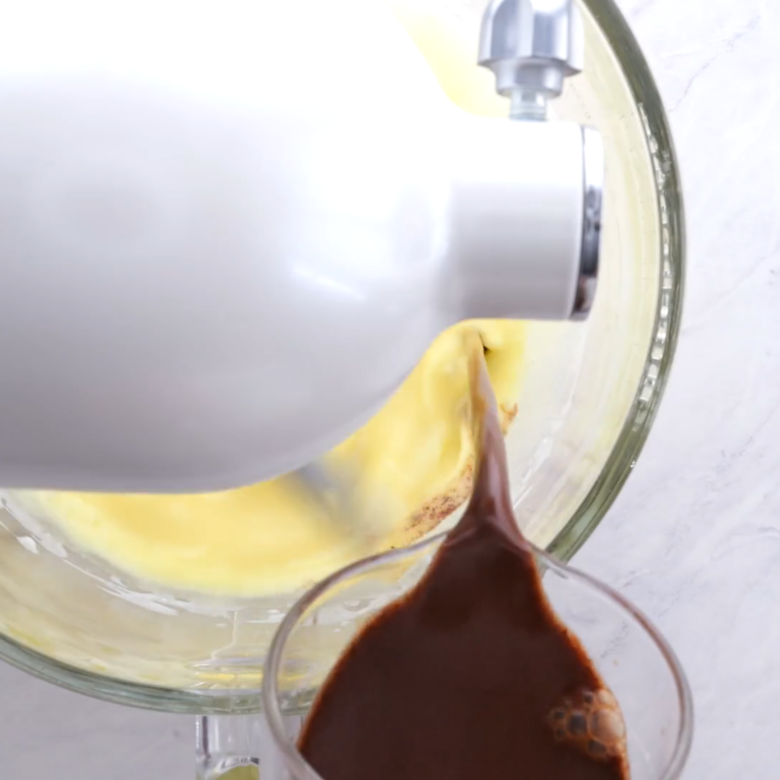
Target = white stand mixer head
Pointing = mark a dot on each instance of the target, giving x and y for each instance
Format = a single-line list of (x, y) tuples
[(231, 229)]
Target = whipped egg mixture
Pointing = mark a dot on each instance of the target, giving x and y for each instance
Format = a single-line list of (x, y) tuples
[(413, 459)]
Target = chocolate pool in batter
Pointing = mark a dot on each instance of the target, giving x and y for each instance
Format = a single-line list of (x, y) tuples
[(471, 675)]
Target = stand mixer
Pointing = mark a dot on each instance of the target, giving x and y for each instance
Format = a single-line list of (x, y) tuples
[(149, 190), (188, 651)]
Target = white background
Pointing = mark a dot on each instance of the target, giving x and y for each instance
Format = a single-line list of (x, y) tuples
[(695, 538)]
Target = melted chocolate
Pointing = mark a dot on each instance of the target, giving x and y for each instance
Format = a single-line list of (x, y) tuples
[(471, 674)]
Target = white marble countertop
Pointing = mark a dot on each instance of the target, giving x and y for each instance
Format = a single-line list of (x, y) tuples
[(704, 499)]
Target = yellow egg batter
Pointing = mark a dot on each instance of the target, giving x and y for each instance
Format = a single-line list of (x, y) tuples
[(414, 456)]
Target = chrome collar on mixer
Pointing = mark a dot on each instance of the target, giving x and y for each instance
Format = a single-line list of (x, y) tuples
[(532, 46)]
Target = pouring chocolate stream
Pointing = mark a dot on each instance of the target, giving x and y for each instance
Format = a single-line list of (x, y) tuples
[(471, 674)]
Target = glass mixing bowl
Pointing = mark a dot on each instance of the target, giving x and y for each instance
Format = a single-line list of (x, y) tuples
[(587, 403)]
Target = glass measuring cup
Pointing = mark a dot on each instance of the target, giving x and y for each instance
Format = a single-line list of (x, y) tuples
[(629, 653)]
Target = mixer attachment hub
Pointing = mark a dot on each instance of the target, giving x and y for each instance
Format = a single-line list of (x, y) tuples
[(531, 46)]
